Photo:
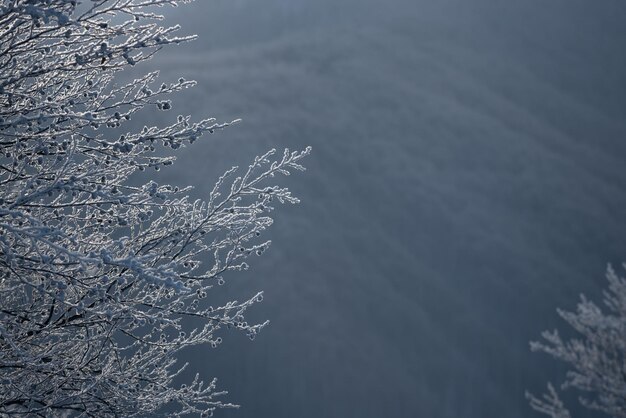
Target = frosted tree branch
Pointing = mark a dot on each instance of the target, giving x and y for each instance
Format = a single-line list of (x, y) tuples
[(597, 357), (100, 280)]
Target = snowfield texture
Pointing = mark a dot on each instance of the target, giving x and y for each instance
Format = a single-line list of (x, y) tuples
[(467, 180)]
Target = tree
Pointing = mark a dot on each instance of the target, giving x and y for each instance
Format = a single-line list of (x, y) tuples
[(597, 358), (101, 282)]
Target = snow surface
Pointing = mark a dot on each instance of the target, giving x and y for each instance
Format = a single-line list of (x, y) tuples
[(467, 178)]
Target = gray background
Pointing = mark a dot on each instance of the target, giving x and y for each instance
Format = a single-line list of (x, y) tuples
[(467, 178)]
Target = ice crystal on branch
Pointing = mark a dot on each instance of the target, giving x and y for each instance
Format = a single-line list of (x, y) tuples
[(597, 358), (99, 279)]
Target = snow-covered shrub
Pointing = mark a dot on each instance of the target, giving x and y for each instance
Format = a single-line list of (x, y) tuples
[(597, 358), (100, 280)]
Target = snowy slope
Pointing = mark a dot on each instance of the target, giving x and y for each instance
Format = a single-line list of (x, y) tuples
[(467, 179)]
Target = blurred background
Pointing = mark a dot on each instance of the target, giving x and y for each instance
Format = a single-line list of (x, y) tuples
[(467, 178)]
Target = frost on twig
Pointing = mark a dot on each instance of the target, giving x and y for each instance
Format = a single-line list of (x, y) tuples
[(549, 404), (100, 280), (597, 357)]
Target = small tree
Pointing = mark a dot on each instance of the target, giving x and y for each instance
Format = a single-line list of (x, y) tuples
[(597, 358), (101, 281)]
